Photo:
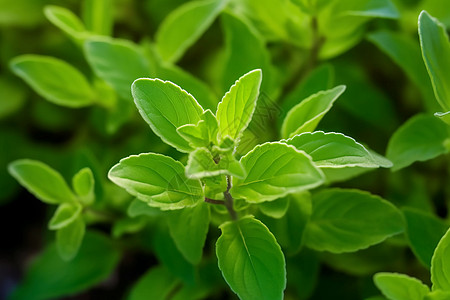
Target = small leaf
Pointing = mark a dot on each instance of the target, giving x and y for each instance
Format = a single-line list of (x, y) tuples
[(157, 283), (165, 107), (188, 228), (275, 209), (141, 208), (69, 238), (436, 55), (419, 139), (334, 150), (83, 185), (184, 26), (54, 79), (65, 214), (235, 111), (118, 62), (201, 164), (305, 116), (50, 277), (273, 171), (66, 20), (43, 182), (201, 134), (438, 295), (440, 272), (251, 261), (157, 179), (98, 16), (350, 220), (400, 287), (423, 232)]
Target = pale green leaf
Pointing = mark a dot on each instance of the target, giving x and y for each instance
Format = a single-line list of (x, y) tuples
[(235, 111), (251, 261), (419, 139), (274, 170), (423, 232), (334, 150), (84, 185), (443, 116), (201, 164), (188, 228), (350, 220), (54, 79), (305, 116), (372, 8), (157, 283), (184, 26), (67, 21), (165, 107), (157, 179), (436, 54), (65, 214), (43, 182), (275, 209), (118, 62), (201, 134), (50, 277), (69, 238), (400, 287), (440, 272), (98, 15)]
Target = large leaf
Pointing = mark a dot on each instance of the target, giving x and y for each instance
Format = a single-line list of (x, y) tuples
[(235, 111), (436, 54), (305, 116), (51, 277), (350, 220), (42, 181), (419, 139), (118, 62), (157, 283), (251, 261), (165, 107), (440, 272), (54, 79), (184, 26), (273, 171), (400, 287), (188, 228), (157, 179), (424, 232), (334, 150)]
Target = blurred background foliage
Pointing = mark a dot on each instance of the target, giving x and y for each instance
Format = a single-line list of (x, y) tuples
[(302, 46)]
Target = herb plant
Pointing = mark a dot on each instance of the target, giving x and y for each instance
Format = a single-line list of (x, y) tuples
[(267, 192)]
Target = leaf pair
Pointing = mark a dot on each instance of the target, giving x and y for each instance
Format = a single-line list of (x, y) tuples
[(49, 186)]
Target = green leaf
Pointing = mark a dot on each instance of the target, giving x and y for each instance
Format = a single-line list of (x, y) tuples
[(437, 295), (275, 209), (118, 62), (128, 225), (157, 179), (400, 287), (201, 164), (372, 8), (51, 277), (251, 261), (305, 116), (201, 134), (141, 208), (70, 237), (157, 283), (54, 79), (83, 185), (424, 232), (419, 139), (443, 116), (350, 220), (98, 16), (436, 55), (43, 182), (13, 97), (334, 150), (405, 52), (65, 214), (273, 171), (183, 26), (440, 272), (67, 21), (235, 111), (165, 107), (188, 228)]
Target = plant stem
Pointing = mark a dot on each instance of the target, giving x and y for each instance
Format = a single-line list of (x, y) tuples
[(229, 200), (214, 201)]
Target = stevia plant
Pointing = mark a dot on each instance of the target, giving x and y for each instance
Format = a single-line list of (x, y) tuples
[(268, 179)]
